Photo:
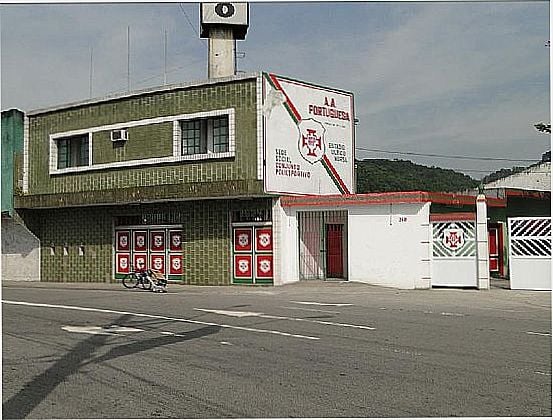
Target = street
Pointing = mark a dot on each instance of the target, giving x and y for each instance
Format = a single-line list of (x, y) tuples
[(313, 349)]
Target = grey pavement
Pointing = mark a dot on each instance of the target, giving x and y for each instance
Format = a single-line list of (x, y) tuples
[(313, 349)]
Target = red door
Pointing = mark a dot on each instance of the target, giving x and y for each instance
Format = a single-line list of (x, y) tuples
[(495, 245), (334, 254)]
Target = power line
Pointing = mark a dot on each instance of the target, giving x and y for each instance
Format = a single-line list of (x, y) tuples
[(445, 156), (191, 24)]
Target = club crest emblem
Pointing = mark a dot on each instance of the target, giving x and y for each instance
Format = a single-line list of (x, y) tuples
[(312, 140), (140, 241), (264, 240), (158, 241), (265, 266), (123, 263), (176, 264), (243, 266), (176, 241), (243, 239), (453, 238), (158, 263), (123, 241), (140, 263)]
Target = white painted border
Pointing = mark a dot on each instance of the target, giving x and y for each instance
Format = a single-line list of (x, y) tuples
[(260, 152), (176, 157), (25, 154)]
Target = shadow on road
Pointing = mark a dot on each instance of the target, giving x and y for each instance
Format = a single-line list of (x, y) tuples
[(36, 390)]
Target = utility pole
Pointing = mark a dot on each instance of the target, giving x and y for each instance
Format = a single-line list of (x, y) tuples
[(165, 59), (128, 58), (90, 79)]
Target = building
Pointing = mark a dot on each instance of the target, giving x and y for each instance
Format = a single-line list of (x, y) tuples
[(178, 177), (20, 248), (237, 179), (520, 233)]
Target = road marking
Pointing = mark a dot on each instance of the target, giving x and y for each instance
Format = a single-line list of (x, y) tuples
[(542, 373), (286, 318), (451, 314), (172, 334), (321, 304), (168, 318), (111, 330), (537, 333), (311, 310)]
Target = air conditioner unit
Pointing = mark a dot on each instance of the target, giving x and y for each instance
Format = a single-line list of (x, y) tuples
[(119, 135)]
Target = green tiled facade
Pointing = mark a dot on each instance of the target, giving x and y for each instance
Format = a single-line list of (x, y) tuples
[(150, 141), (75, 214), (206, 228)]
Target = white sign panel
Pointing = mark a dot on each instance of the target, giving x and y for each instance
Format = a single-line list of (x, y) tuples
[(226, 13), (309, 136)]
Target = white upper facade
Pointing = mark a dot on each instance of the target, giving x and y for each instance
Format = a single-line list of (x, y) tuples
[(535, 178)]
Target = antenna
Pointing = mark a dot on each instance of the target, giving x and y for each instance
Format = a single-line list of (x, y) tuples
[(165, 59), (128, 58), (90, 72)]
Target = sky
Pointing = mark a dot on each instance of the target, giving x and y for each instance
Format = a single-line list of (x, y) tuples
[(452, 79)]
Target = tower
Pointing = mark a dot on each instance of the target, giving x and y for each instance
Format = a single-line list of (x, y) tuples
[(223, 24)]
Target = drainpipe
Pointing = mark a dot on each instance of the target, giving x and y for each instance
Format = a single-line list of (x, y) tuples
[(482, 250)]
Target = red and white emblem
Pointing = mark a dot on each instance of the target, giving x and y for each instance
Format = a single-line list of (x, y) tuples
[(176, 241), (140, 241), (123, 240), (453, 238), (243, 266), (242, 240), (311, 141), (123, 263), (157, 262), (140, 261), (264, 240), (264, 266), (175, 266), (157, 241)]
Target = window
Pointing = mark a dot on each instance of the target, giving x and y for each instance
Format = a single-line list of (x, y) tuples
[(206, 135), (73, 151)]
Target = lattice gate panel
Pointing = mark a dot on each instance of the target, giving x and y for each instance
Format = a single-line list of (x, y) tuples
[(530, 253), (456, 239), (530, 237)]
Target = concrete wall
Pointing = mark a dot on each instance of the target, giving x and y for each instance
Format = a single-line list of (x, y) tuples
[(389, 245), (285, 237), (20, 252)]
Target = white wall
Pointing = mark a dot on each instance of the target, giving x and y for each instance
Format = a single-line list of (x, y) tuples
[(529, 273), (389, 245), (285, 245), (20, 252)]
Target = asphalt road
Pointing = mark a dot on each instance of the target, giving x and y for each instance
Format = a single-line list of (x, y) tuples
[(305, 350)]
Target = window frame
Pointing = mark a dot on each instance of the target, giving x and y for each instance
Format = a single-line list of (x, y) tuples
[(175, 157), (204, 133), (55, 140)]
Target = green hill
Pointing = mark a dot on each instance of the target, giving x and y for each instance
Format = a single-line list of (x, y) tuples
[(382, 175)]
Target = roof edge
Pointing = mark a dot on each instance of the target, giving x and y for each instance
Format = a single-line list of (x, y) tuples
[(166, 88)]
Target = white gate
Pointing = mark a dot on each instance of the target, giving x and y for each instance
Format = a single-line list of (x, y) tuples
[(530, 253), (454, 250)]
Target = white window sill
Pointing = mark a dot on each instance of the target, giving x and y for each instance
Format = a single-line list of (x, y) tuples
[(142, 162)]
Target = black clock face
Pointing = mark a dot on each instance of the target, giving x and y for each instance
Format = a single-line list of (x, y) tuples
[(224, 10)]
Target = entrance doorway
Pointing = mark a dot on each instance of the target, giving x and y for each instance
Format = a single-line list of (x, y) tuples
[(322, 244), (495, 244), (335, 254)]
